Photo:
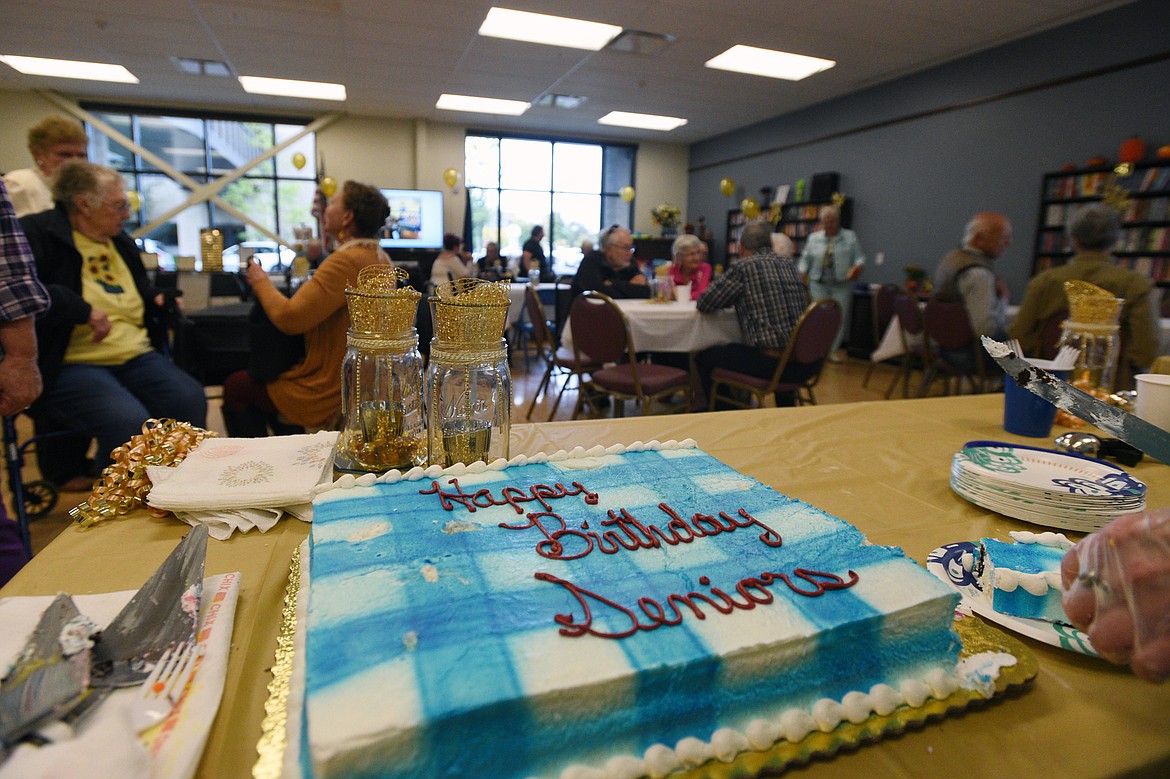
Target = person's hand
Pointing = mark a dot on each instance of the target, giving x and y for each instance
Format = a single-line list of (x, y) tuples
[(255, 273), (100, 322), (20, 383), (1117, 589), (638, 280)]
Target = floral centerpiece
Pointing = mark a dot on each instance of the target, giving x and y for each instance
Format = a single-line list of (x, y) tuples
[(667, 216)]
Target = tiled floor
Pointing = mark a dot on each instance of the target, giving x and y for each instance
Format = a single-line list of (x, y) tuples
[(840, 383)]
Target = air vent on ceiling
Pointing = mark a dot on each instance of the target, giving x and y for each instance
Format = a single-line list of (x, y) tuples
[(640, 42), (198, 67), (559, 101)]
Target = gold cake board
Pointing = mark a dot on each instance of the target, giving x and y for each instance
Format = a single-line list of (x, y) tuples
[(976, 636)]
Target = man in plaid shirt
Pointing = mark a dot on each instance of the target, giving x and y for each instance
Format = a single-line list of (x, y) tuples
[(769, 297), (22, 298)]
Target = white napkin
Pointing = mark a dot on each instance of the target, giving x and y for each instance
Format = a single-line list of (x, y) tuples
[(105, 743), (232, 484)]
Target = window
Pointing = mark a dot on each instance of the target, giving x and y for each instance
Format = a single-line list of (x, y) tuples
[(273, 194), (570, 188)]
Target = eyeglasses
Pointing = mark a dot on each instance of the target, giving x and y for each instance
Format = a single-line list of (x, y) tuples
[(118, 205)]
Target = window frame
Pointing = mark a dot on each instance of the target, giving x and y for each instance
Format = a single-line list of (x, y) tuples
[(608, 190)]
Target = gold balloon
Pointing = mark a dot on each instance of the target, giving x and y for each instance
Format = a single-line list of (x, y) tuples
[(299, 160), (134, 199), (750, 207), (328, 186), (451, 176), (627, 193), (727, 186)]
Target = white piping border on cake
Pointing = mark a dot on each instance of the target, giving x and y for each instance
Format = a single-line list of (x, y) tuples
[(795, 724), (349, 481), (1037, 584)]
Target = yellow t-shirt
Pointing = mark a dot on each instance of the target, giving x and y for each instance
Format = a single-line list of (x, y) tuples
[(106, 284)]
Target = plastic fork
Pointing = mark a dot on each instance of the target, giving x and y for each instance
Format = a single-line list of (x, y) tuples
[(165, 686)]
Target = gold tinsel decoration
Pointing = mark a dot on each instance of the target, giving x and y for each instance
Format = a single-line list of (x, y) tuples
[(124, 485)]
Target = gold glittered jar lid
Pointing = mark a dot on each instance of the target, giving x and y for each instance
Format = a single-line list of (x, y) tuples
[(378, 306), (1090, 304), (470, 311)]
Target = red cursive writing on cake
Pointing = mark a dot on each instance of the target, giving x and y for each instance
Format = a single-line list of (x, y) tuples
[(509, 496), (627, 532), (622, 622)]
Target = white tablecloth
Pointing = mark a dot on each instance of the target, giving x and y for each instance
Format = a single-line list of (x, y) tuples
[(516, 297), (674, 326)]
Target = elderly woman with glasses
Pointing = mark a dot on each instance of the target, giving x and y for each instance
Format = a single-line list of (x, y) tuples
[(98, 358), (688, 265)]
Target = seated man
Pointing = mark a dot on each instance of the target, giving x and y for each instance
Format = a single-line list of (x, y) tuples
[(1093, 231), (966, 274), (612, 270), (769, 297)]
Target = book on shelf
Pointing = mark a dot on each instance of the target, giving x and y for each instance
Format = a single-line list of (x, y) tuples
[(1148, 180), (1054, 216), (1157, 209), (1157, 239)]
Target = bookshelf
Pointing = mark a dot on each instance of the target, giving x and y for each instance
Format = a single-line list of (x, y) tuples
[(1144, 244)]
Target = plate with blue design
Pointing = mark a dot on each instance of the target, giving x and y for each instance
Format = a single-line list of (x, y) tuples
[(952, 563), (1045, 487), (1047, 472)]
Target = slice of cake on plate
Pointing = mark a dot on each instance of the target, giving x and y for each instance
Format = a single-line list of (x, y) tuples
[(1022, 579), (610, 612)]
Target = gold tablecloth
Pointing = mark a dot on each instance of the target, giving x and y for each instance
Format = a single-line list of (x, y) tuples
[(884, 466)]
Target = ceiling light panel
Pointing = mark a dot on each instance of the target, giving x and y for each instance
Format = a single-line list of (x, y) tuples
[(546, 29), (88, 71), (642, 121), (481, 105), (284, 87), (766, 62)]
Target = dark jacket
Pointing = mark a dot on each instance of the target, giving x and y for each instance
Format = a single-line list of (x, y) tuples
[(59, 268), (596, 274)]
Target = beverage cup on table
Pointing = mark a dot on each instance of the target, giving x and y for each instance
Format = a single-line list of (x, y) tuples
[(1025, 413), (682, 292), (1153, 399)]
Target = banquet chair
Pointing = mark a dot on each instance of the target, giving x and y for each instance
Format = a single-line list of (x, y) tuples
[(560, 360), (914, 349), (1049, 335), (803, 360), (948, 330), (601, 334), (883, 314)]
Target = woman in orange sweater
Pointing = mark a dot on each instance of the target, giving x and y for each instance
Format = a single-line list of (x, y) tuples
[(308, 395)]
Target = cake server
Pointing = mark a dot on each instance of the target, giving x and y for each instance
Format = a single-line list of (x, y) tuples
[(164, 613), (1129, 428), (45, 683)]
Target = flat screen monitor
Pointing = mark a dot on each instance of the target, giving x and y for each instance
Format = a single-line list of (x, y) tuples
[(415, 221)]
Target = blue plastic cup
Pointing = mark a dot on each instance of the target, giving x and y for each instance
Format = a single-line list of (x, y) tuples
[(1025, 413)]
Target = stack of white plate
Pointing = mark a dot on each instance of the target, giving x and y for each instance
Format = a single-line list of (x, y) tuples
[(1045, 487)]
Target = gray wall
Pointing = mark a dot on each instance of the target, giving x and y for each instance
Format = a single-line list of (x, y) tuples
[(1011, 114)]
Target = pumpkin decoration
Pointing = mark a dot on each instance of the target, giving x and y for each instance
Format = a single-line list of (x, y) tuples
[(1068, 167), (1132, 149), (1097, 162), (1164, 152)]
